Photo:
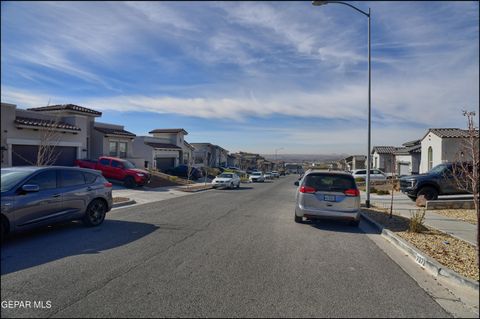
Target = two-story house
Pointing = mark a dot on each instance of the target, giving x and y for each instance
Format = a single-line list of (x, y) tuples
[(165, 149), (62, 130)]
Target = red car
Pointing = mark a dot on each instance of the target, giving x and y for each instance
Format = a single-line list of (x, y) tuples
[(118, 169)]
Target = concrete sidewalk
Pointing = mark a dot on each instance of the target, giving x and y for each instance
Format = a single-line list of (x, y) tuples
[(404, 207), (143, 195)]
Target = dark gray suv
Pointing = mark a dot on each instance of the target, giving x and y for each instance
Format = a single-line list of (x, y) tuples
[(34, 196)]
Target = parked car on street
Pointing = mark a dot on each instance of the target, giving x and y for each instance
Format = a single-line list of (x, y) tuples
[(182, 171), (256, 177), (34, 196), (118, 169), (229, 180), (268, 175), (276, 174), (440, 180), (375, 174), (327, 194)]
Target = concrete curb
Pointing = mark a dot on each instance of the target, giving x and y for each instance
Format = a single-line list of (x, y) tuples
[(125, 203), (195, 190), (426, 262)]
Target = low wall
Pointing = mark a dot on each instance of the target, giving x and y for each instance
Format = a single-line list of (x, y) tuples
[(450, 204)]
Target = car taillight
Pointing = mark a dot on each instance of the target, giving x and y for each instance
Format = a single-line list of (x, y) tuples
[(307, 189), (107, 184), (352, 192)]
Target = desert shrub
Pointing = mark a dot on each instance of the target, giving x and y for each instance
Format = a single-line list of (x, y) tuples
[(416, 221), (383, 192)]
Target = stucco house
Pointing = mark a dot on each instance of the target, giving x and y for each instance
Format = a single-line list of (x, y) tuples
[(353, 162), (440, 145), (233, 160), (78, 136), (165, 149), (383, 158), (247, 161), (68, 128), (111, 140), (208, 154), (407, 158)]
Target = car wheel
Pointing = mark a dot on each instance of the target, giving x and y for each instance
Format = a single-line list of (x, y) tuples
[(129, 182), (230, 186), (428, 192), (298, 219), (95, 214), (238, 185)]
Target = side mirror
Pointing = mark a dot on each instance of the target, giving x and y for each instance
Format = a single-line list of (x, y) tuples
[(296, 183), (30, 188)]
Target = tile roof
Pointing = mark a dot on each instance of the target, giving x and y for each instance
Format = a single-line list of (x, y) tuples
[(71, 107), (169, 130), (412, 143), (384, 149), (162, 145), (45, 123), (114, 131), (449, 132), (415, 149), (401, 151)]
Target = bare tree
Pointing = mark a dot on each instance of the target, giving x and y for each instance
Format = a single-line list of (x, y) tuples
[(393, 181), (49, 140), (50, 137), (466, 169)]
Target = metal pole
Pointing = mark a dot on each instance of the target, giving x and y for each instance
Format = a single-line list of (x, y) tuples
[(367, 184)]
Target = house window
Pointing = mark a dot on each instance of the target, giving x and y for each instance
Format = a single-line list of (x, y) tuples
[(430, 158), (113, 149), (122, 149)]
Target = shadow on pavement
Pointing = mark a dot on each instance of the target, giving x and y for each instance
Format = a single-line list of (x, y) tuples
[(32, 248), (241, 188), (338, 226)]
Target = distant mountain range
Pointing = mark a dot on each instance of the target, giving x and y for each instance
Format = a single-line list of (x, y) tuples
[(305, 157)]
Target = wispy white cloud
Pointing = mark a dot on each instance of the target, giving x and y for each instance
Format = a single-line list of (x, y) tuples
[(237, 60)]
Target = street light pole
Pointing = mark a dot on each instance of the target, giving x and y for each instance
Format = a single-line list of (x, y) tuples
[(369, 159)]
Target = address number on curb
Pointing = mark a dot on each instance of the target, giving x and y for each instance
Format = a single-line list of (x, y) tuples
[(420, 260)]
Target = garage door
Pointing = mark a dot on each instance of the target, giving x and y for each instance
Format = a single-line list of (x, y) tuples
[(404, 169), (27, 155), (165, 163)]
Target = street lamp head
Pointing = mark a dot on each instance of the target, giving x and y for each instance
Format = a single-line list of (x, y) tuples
[(319, 3)]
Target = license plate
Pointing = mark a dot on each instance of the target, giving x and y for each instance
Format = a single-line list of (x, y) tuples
[(329, 198)]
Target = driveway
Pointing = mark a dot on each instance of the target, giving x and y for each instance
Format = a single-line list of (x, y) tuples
[(143, 195)]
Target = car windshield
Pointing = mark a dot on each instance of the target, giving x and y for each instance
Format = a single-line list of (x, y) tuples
[(10, 178), (330, 182), (438, 169), (225, 175), (128, 164), (257, 173)]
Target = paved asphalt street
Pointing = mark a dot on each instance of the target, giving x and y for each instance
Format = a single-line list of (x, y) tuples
[(218, 253)]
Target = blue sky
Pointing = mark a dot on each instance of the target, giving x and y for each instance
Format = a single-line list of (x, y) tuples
[(251, 76)]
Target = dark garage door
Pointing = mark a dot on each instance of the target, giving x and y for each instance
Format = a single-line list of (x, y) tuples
[(27, 155), (165, 163)]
